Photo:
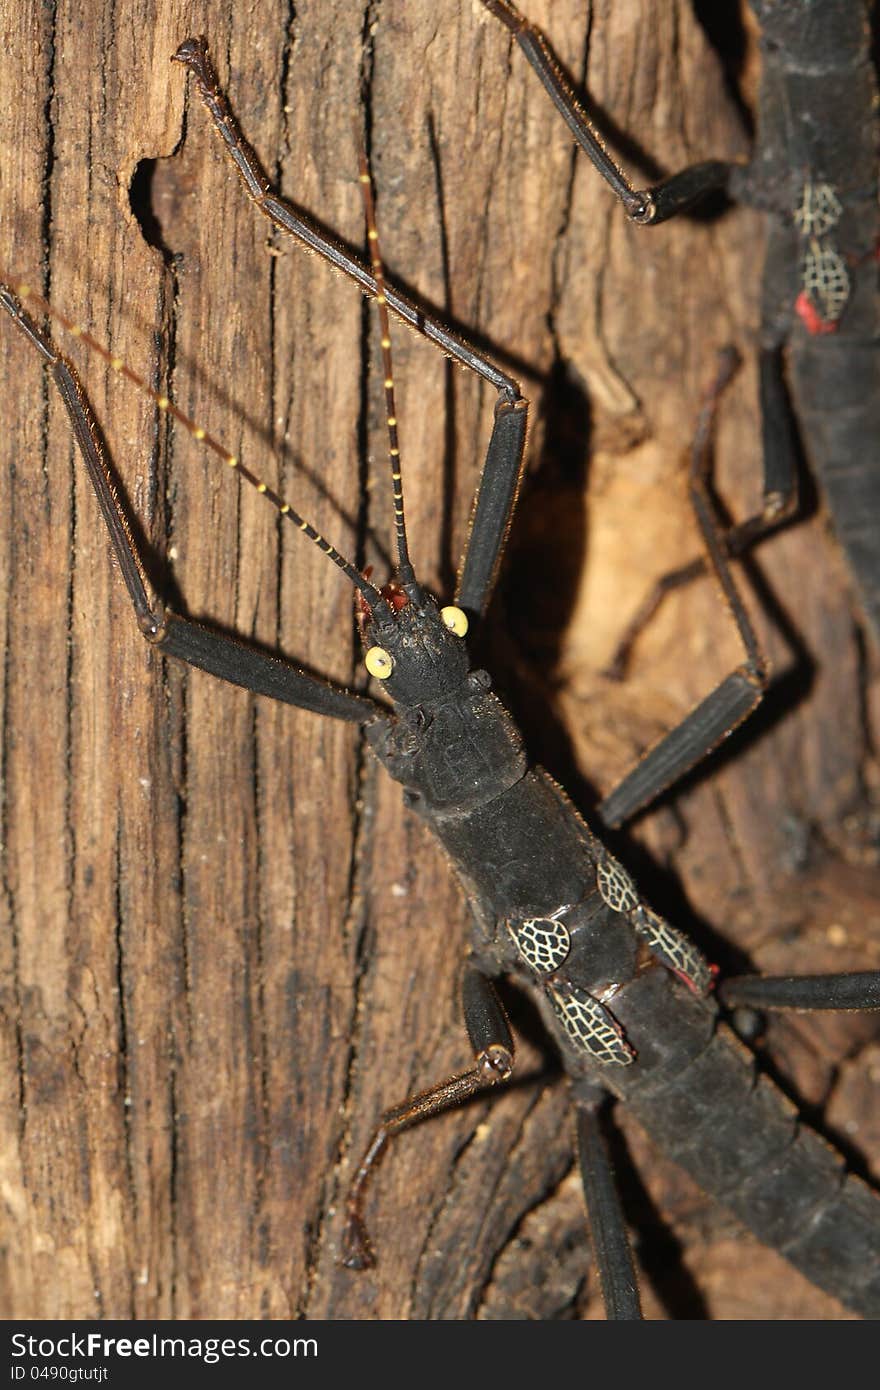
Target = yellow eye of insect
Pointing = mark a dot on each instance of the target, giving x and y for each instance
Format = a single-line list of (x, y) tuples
[(379, 663), (455, 620)]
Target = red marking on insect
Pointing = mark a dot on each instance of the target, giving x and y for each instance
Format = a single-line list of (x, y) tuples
[(394, 595), (809, 316), (687, 980), (391, 592), (714, 972)]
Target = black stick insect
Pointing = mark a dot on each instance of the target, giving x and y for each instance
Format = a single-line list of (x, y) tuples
[(625, 996), (815, 172)]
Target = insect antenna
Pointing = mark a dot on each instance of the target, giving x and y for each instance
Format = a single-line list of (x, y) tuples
[(404, 564), (373, 598)]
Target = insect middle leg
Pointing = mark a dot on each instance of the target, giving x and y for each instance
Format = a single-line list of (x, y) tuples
[(492, 1043), (738, 695)]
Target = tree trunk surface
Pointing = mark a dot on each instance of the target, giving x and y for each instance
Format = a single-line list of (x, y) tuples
[(226, 946)]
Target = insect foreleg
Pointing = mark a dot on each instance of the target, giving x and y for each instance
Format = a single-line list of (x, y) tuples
[(220, 654), (814, 171), (779, 502), (493, 507), (193, 55), (659, 203), (232, 660), (499, 483)]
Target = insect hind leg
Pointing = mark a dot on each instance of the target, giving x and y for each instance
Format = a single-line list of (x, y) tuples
[(614, 1261), (857, 990)]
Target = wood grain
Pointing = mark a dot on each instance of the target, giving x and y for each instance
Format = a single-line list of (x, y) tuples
[(225, 945)]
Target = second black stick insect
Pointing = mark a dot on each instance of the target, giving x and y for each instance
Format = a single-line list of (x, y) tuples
[(815, 172)]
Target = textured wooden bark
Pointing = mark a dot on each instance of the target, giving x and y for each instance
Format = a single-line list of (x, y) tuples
[(225, 945)]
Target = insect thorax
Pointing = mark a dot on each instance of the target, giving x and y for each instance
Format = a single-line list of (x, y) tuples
[(454, 754)]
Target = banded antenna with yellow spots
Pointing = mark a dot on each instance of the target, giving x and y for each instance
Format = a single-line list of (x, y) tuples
[(405, 569), (377, 660), (377, 604)]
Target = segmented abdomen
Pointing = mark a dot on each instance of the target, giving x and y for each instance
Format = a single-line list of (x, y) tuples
[(836, 386), (741, 1140)]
